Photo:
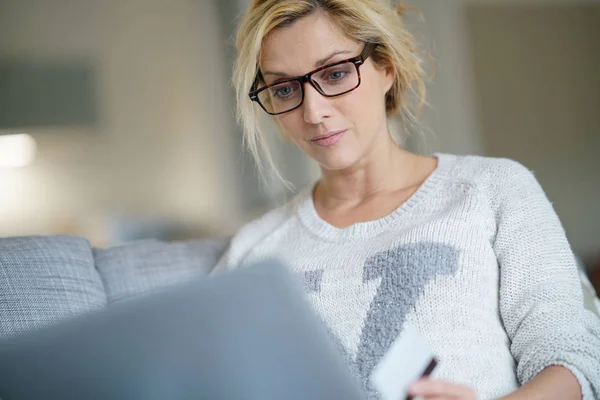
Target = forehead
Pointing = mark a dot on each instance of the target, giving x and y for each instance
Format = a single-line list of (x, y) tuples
[(296, 48)]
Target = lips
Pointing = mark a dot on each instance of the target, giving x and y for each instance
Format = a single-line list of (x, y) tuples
[(329, 139)]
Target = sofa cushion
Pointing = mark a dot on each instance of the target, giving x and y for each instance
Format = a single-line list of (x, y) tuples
[(44, 280), (137, 268)]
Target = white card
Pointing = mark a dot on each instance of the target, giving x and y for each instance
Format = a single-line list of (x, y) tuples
[(408, 358)]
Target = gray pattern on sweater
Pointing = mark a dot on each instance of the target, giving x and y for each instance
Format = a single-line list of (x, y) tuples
[(404, 271)]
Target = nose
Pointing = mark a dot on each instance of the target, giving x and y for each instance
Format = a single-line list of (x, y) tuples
[(315, 105)]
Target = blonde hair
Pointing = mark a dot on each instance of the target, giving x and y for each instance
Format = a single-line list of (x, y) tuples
[(367, 21)]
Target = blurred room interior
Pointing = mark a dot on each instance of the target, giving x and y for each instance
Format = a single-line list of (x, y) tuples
[(117, 116)]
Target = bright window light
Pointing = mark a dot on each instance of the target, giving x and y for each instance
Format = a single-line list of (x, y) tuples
[(17, 151)]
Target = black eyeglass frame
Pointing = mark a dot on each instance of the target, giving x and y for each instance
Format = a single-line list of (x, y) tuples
[(357, 61)]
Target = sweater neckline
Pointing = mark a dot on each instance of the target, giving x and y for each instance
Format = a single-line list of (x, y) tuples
[(310, 218)]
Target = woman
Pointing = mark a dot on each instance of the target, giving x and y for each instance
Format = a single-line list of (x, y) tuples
[(467, 250)]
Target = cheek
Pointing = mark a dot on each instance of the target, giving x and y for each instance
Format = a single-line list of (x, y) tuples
[(373, 96), (292, 125), (363, 105)]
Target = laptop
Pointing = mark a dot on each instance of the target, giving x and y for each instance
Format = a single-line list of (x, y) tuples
[(242, 334)]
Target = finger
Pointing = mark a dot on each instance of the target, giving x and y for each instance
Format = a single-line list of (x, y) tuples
[(434, 398), (430, 388)]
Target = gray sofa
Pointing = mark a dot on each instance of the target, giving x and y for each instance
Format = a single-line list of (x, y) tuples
[(47, 279)]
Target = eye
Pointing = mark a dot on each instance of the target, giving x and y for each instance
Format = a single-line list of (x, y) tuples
[(337, 75), (283, 91)]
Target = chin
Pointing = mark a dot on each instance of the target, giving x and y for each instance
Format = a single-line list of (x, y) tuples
[(337, 163)]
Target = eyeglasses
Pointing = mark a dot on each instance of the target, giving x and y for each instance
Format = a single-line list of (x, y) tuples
[(329, 80)]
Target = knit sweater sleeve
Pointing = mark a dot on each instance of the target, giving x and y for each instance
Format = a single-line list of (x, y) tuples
[(541, 299), (250, 235)]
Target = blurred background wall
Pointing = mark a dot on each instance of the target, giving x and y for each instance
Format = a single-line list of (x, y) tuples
[(155, 150), (162, 146)]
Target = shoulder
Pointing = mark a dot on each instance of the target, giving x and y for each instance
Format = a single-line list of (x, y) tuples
[(485, 170), (255, 231), (508, 187), (258, 228), (497, 177)]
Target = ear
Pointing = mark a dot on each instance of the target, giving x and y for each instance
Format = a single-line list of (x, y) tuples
[(388, 78)]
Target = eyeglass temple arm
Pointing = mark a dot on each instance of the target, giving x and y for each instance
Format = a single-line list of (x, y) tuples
[(367, 51), (257, 80)]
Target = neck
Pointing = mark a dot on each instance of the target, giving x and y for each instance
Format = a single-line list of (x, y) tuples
[(369, 177)]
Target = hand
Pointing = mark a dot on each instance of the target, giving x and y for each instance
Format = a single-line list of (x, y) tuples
[(435, 389)]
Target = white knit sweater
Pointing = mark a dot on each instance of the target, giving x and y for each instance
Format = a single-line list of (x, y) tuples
[(476, 260)]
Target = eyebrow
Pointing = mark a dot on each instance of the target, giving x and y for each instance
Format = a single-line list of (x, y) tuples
[(318, 64)]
